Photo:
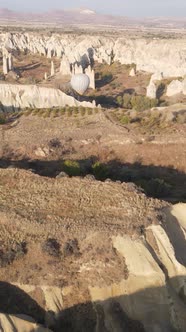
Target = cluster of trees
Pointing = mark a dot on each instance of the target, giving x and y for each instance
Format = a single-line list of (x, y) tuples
[(139, 103)]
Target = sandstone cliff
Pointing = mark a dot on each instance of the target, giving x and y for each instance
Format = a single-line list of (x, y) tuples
[(157, 55), (22, 96)]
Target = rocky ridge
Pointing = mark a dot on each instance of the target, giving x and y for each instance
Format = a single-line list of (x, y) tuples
[(157, 55), (21, 96)]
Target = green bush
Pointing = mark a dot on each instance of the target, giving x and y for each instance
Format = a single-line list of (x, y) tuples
[(125, 119), (139, 103), (155, 187), (119, 100), (2, 118), (142, 103), (100, 171), (72, 168), (127, 101), (89, 111)]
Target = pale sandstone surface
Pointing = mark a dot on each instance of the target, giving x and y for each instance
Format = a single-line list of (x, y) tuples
[(10, 323), (22, 96)]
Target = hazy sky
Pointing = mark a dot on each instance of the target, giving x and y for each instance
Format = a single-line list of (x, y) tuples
[(121, 7)]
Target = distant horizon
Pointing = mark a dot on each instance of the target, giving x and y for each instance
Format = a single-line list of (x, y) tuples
[(132, 8), (41, 11)]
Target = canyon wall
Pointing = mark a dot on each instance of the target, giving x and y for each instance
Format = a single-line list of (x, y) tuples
[(165, 56), (22, 96)]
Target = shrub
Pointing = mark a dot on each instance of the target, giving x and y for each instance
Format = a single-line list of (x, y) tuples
[(127, 101), (62, 111), (100, 171), (16, 251), (142, 103), (2, 118), (69, 112), (125, 119), (89, 111), (52, 247), (82, 111), (71, 247), (139, 103), (72, 168), (54, 143), (119, 100), (155, 187)]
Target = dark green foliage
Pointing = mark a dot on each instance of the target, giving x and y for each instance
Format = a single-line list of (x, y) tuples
[(155, 187), (100, 170), (142, 103), (139, 103), (72, 168), (125, 120), (2, 118)]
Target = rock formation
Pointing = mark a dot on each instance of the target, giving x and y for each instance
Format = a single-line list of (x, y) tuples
[(157, 76), (174, 88), (132, 72), (152, 56), (5, 65), (77, 69), (151, 90), (91, 74), (65, 66), (52, 69), (10, 62), (22, 96), (11, 323)]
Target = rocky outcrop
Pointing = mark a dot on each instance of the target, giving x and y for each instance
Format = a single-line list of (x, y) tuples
[(151, 90), (132, 72), (65, 66), (22, 96), (162, 56), (176, 87), (91, 74), (52, 72)]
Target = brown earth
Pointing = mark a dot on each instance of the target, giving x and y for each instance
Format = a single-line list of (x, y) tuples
[(132, 152), (58, 232)]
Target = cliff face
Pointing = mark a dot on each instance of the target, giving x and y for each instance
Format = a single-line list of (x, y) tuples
[(22, 96), (158, 55), (115, 259)]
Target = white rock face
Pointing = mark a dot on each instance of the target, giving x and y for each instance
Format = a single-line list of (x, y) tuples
[(5, 65), (174, 88), (10, 62), (162, 56), (22, 96), (151, 90), (65, 66), (24, 323), (132, 72), (156, 77), (184, 86), (91, 74), (52, 69)]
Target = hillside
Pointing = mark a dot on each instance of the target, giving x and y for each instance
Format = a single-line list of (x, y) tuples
[(84, 245)]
